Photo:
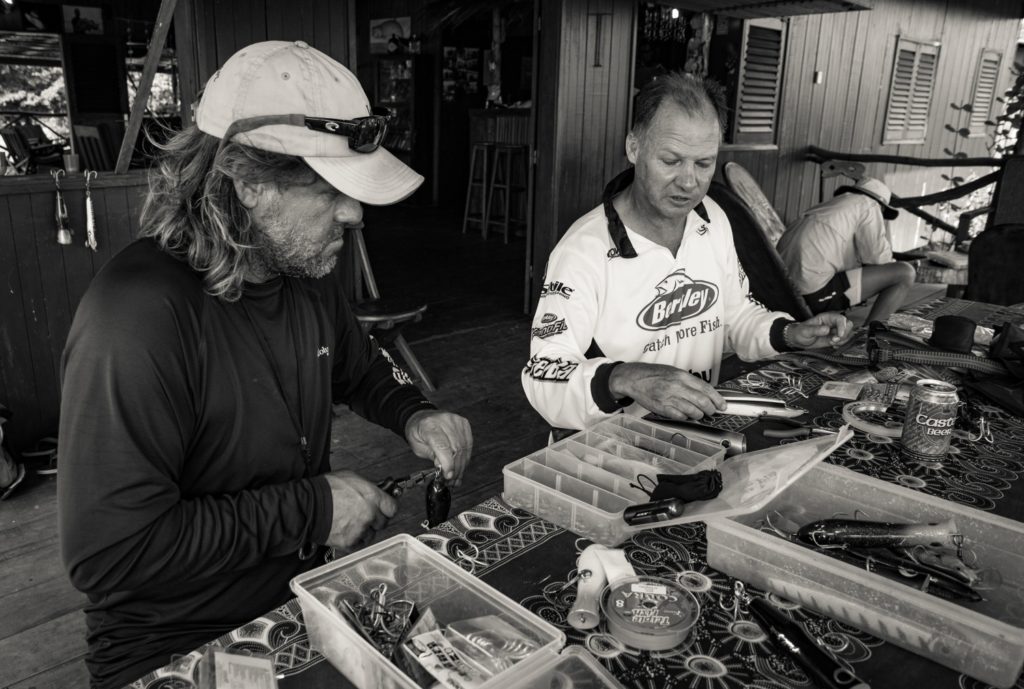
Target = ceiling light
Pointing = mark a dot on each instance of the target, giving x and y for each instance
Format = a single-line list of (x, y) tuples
[(675, 12)]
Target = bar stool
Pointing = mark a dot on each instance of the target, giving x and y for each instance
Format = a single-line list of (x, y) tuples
[(385, 318), (508, 177), (477, 188)]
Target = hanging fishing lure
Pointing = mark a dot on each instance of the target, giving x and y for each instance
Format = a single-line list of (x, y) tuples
[(90, 214), (61, 211)]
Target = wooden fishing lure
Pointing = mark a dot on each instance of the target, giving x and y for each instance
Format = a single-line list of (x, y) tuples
[(838, 533)]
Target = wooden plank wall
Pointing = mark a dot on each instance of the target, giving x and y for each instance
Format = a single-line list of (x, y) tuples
[(208, 32), (855, 51), (41, 283), (582, 110)]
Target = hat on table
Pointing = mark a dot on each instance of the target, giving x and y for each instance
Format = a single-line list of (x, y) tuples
[(869, 186), (272, 80)]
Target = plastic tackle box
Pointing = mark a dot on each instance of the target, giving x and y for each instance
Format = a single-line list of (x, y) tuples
[(582, 483), (413, 572), (984, 640)]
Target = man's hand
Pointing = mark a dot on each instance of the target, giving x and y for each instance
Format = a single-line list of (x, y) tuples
[(819, 331), (665, 390), (361, 509), (443, 438)]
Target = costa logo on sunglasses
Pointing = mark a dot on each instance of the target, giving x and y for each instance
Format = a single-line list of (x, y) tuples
[(680, 297)]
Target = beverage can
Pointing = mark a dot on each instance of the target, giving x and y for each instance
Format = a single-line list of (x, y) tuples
[(931, 416)]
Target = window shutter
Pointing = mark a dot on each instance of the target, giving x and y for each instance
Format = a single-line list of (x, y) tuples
[(910, 92), (984, 90), (760, 82)]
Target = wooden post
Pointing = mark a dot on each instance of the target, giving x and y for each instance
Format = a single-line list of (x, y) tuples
[(153, 52)]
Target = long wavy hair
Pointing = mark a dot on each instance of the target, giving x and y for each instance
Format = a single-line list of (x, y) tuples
[(194, 214)]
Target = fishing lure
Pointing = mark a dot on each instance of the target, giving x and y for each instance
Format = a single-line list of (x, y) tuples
[(891, 565), (791, 640), (439, 500), (839, 533)]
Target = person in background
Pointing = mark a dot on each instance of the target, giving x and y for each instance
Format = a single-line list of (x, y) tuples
[(839, 253), (643, 293), (202, 364)]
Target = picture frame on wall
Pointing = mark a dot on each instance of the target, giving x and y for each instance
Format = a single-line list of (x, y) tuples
[(83, 19), (390, 35), (37, 17)]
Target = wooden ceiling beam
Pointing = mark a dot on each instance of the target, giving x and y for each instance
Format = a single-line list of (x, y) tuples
[(153, 53)]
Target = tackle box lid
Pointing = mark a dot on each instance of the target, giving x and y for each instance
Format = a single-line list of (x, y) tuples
[(752, 480)]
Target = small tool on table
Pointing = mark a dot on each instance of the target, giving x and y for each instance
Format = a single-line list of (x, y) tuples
[(791, 428), (396, 486)]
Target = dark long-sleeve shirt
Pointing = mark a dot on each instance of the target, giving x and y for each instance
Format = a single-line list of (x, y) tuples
[(184, 493)]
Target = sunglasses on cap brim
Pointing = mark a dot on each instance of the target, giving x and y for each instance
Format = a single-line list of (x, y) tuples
[(365, 134)]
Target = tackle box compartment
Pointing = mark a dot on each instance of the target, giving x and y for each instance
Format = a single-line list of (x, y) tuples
[(413, 572), (584, 482), (984, 640)]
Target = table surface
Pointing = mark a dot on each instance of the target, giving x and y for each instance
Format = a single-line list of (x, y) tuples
[(723, 655)]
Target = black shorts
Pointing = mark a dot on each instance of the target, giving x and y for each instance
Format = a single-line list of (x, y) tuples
[(831, 297)]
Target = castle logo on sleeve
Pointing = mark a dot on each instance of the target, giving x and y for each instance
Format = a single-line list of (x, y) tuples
[(680, 297), (551, 370), (556, 287)]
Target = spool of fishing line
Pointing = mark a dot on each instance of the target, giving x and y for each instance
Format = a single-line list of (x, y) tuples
[(649, 613)]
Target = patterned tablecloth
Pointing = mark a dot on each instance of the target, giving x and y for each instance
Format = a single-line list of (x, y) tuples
[(728, 650)]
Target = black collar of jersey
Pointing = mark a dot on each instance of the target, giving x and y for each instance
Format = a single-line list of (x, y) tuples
[(615, 227)]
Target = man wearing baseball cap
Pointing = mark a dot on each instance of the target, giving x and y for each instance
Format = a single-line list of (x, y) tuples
[(839, 253), (202, 364)]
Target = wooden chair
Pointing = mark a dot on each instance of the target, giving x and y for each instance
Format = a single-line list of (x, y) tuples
[(92, 148), (746, 187), (769, 280), (29, 152), (385, 318)]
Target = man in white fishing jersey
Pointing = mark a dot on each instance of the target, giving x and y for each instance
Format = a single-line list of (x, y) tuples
[(643, 293)]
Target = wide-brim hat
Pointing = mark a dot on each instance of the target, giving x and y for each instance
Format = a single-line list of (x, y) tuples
[(293, 78), (869, 186)]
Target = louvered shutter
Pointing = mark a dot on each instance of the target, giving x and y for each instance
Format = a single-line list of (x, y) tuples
[(760, 82), (984, 90), (910, 92)]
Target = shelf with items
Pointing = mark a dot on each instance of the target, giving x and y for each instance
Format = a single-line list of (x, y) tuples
[(394, 90)]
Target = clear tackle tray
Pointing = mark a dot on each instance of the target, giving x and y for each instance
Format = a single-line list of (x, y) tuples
[(582, 483), (412, 572), (984, 640)]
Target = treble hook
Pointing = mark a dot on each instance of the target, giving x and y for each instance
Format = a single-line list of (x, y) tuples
[(737, 602)]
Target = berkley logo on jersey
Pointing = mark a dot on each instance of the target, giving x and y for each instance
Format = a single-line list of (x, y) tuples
[(552, 370), (679, 297), (556, 287)]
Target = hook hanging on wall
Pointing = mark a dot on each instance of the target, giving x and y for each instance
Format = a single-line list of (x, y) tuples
[(90, 214), (61, 211)]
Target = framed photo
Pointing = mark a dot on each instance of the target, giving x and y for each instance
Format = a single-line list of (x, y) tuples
[(81, 19), (390, 35), (36, 16)]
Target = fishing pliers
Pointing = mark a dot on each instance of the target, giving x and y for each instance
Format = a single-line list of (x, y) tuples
[(396, 486), (438, 495), (791, 428)]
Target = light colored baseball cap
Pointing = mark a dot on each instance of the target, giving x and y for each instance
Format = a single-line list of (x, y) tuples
[(869, 186), (288, 97)]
